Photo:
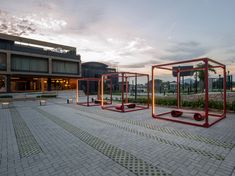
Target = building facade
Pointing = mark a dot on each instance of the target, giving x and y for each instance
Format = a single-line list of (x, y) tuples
[(95, 70), (33, 65)]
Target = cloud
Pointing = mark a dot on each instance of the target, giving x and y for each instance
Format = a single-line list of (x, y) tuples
[(111, 63), (28, 24), (90, 50), (15, 25), (88, 20), (140, 64), (45, 5), (137, 48), (46, 23), (184, 50)]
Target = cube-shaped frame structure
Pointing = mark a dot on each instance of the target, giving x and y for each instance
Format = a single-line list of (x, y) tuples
[(88, 102), (124, 106), (178, 111)]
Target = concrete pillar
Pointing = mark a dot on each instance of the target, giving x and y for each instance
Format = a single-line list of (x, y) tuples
[(8, 83), (8, 77), (49, 84), (8, 62), (50, 65), (42, 84)]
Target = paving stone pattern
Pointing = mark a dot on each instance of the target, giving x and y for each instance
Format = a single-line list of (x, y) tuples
[(27, 144), (162, 140), (182, 134), (176, 132), (78, 140), (185, 167), (125, 159)]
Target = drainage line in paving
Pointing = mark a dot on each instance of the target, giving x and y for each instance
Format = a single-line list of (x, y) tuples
[(183, 134), (26, 142), (178, 133), (161, 140), (120, 156)]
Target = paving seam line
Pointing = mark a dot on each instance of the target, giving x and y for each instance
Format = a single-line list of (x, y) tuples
[(27, 144), (120, 156), (159, 139)]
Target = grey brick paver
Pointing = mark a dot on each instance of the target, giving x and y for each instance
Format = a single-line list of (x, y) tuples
[(64, 154), (218, 163), (233, 174)]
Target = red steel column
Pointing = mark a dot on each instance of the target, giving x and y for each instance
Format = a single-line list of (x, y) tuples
[(148, 91), (126, 99), (178, 89), (87, 92), (111, 94), (122, 92), (77, 85), (153, 92), (206, 92), (225, 87), (102, 91), (99, 91)]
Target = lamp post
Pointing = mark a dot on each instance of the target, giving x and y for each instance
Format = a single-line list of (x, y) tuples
[(219, 82)]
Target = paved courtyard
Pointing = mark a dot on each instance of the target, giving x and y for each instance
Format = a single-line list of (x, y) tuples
[(67, 139)]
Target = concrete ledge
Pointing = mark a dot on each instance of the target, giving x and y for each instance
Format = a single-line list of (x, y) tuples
[(69, 101), (5, 104), (43, 102)]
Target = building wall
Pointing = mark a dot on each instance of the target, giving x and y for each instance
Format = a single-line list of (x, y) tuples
[(16, 61), (95, 70), (12, 62)]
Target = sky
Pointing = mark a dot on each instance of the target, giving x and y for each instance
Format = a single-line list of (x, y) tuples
[(130, 35)]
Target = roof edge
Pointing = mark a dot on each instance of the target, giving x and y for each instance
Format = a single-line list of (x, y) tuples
[(35, 42)]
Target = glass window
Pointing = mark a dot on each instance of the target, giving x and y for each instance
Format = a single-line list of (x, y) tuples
[(29, 64), (2, 83), (3, 61), (65, 67)]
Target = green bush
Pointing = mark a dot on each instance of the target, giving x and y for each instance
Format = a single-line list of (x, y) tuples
[(199, 103), (6, 96), (166, 101), (229, 106), (216, 104), (138, 100), (47, 96), (187, 103), (233, 106)]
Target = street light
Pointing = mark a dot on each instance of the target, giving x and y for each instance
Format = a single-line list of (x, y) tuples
[(219, 81)]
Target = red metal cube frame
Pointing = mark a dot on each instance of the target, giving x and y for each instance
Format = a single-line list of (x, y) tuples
[(124, 76), (88, 102), (206, 109)]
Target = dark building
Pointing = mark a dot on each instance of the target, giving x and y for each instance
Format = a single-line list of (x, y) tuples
[(95, 70), (32, 65), (157, 85)]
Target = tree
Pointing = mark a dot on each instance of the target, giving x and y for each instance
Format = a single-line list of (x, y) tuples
[(201, 74)]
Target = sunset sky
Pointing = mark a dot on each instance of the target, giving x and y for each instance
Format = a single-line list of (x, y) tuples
[(131, 35)]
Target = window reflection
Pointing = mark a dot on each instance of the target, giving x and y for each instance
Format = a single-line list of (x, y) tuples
[(2, 83), (3, 61)]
